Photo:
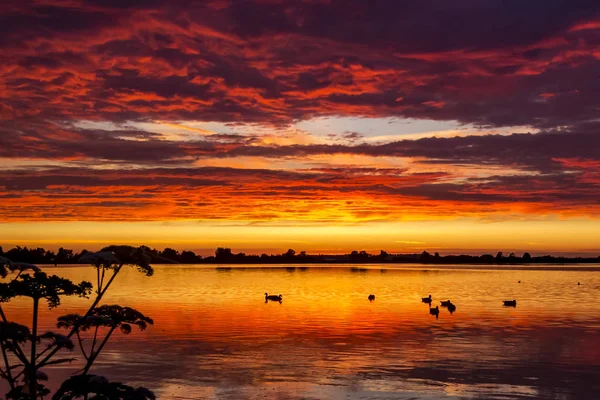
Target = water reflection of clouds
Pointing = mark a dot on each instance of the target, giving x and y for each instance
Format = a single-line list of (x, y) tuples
[(480, 362), (215, 338)]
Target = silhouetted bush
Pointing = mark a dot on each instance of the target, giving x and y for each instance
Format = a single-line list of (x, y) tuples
[(24, 376)]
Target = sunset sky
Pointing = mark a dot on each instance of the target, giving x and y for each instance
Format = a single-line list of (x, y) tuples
[(320, 125)]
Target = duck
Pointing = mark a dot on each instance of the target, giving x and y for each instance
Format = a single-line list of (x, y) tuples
[(273, 297), (510, 303), (426, 299), (371, 297), (434, 311), (451, 308), (446, 303)]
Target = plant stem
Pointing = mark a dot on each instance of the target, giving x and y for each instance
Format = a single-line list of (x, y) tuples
[(94, 355), (81, 345), (89, 311), (41, 353), (94, 341), (98, 280), (101, 280), (16, 348), (32, 374), (8, 372)]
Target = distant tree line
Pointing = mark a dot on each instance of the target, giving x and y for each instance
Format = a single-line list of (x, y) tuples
[(224, 255)]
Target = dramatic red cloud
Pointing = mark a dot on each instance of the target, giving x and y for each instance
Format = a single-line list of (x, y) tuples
[(316, 195), (274, 63)]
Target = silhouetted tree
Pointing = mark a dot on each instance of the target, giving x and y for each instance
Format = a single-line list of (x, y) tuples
[(526, 257), (359, 256), (170, 254), (487, 258), (223, 253), (499, 256), (189, 257), (425, 257), (382, 256), (290, 253), (64, 256)]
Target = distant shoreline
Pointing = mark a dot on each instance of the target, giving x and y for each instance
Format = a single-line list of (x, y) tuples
[(409, 259), (225, 256)]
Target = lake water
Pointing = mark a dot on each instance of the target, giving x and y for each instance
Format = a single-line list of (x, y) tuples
[(215, 337)]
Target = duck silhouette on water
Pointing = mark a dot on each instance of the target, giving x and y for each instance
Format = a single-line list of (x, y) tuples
[(371, 297), (435, 311), (451, 308), (446, 303), (510, 303), (273, 298), (426, 299)]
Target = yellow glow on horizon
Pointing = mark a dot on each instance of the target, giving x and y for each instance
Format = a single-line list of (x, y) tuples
[(445, 236)]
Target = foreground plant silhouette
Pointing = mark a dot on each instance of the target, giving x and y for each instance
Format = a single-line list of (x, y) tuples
[(25, 351)]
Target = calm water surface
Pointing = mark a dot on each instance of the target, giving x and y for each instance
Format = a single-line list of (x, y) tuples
[(215, 338)]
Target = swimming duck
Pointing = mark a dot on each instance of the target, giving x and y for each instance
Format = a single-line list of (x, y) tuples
[(434, 311), (371, 297), (426, 299), (273, 297), (446, 303), (451, 308), (510, 303)]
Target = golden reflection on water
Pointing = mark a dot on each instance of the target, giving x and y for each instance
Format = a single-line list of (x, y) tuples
[(215, 337)]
